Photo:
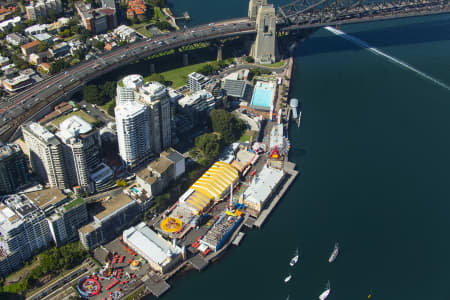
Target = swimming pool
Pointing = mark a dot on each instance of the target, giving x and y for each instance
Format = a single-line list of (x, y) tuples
[(262, 96), (134, 190)]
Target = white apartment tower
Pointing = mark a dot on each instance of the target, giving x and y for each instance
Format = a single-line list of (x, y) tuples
[(155, 96), (46, 155), (133, 133), (127, 87), (82, 146)]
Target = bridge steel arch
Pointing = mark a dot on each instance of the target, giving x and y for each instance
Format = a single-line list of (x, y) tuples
[(302, 14)]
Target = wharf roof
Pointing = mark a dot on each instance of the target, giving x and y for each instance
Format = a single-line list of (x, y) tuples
[(262, 185), (150, 243)]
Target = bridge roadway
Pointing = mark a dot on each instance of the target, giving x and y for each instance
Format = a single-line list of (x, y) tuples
[(88, 70), (301, 14)]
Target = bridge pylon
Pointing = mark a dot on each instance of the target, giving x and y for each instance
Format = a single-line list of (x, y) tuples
[(264, 50)]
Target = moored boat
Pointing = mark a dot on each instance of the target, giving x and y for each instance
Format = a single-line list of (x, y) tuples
[(288, 278), (325, 293), (334, 254), (294, 259)]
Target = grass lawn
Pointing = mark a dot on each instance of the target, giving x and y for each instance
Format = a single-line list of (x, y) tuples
[(21, 273), (142, 28), (159, 15), (247, 136), (276, 65), (79, 113), (178, 76), (70, 37)]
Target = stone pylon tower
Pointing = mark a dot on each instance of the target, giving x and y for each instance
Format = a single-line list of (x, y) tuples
[(253, 8), (264, 50)]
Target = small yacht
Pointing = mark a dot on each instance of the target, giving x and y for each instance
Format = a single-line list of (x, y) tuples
[(334, 254), (325, 293), (294, 259), (288, 278)]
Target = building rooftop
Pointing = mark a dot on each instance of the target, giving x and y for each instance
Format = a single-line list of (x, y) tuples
[(87, 228), (74, 126), (150, 173), (132, 81), (8, 149), (172, 155), (262, 184), (153, 89), (151, 244), (42, 36), (41, 133), (113, 204), (101, 173), (30, 44), (129, 110), (46, 198)]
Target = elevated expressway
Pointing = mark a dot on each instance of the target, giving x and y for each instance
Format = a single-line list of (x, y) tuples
[(31, 102)]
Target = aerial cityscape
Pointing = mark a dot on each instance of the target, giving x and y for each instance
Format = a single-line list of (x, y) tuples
[(149, 148)]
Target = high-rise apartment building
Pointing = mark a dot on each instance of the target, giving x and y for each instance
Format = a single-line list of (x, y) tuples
[(46, 155), (24, 231), (197, 81), (43, 8), (133, 133), (13, 168), (155, 96), (30, 221), (82, 146), (127, 87)]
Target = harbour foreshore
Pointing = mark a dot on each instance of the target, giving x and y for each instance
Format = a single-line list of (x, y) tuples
[(158, 285)]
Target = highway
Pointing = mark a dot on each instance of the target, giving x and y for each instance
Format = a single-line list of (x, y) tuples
[(85, 71)]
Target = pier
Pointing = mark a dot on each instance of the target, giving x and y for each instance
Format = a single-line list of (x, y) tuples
[(238, 239), (156, 285)]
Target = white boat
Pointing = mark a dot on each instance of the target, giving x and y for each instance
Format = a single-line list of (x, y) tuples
[(294, 259), (325, 293), (334, 254), (288, 278)]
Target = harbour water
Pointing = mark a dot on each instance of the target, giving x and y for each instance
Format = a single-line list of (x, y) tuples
[(373, 153)]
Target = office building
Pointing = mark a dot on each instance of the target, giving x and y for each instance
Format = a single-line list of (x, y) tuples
[(133, 134), (177, 159), (197, 81), (156, 98), (13, 168), (82, 147), (155, 178), (46, 155), (43, 8)]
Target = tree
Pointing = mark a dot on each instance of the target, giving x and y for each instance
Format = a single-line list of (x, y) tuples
[(43, 46), (75, 29), (163, 25), (19, 28), (98, 44), (19, 62), (91, 94), (108, 90), (59, 65), (250, 59), (227, 125), (209, 144), (65, 33)]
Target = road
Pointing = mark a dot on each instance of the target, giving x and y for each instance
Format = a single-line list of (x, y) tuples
[(88, 70)]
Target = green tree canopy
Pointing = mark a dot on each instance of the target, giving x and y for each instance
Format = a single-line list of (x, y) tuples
[(210, 144), (98, 44), (91, 94), (227, 125)]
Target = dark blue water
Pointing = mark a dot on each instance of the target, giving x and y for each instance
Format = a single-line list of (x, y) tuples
[(374, 157)]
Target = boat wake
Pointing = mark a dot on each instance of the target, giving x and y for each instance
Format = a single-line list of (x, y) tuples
[(392, 59)]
